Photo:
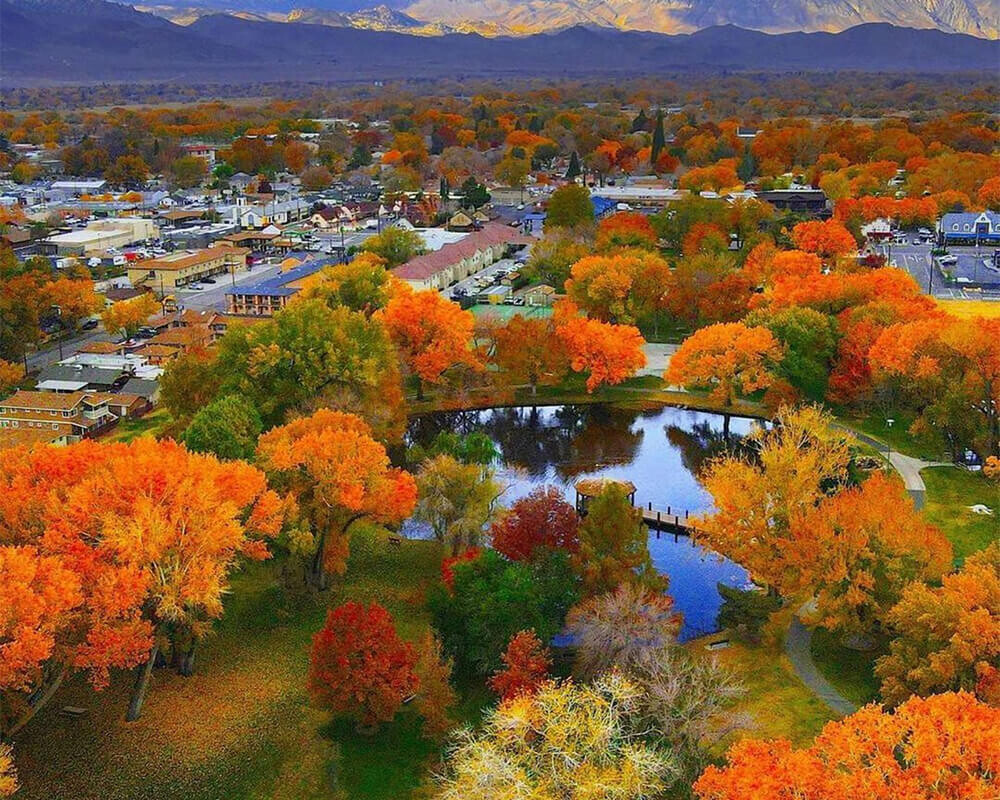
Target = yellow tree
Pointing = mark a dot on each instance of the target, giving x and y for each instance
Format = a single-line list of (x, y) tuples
[(729, 358), (568, 740), (338, 474), (125, 317)]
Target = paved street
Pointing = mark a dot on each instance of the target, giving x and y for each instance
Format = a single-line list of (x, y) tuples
[(917, 260)]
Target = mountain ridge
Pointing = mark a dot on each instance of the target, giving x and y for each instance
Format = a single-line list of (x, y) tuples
[(80, 41), (979, 18)]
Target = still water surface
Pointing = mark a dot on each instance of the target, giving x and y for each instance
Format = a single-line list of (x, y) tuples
[(658, 449)]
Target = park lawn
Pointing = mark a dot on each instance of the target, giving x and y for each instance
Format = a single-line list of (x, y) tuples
[(967, 309), (896, 436), (777, 703), (242, 726), (850, 671), (950, 492), (151, 424)]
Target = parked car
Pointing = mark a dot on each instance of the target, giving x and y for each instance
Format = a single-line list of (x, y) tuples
[(208, 280), (89, 325)]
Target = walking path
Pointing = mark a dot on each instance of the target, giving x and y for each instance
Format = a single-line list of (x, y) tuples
[(797, 644)]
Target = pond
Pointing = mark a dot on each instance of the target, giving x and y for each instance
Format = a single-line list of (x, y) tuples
[(658, 449)]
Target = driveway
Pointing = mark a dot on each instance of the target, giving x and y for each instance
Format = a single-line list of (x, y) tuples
[(657, 358)]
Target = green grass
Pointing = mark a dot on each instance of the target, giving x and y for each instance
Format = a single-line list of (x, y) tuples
[(897, 435), (950, 492), (151, 424), (850, 671)]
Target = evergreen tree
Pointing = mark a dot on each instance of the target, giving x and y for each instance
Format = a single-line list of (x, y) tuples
[(574, 167), (641, 122), (445, 189), (659, 138), (748, 166)]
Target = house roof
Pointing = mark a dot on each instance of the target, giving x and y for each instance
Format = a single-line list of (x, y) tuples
[(140, 387), (429, 264), (278, 285), (26, 437), (82, 373), (46, 401), (101, 348), (182, 259)]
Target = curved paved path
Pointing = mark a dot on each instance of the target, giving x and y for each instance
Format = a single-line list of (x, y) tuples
[(797, 642)]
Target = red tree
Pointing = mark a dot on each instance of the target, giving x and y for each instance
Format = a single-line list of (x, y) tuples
[(526, 666), (447, 566), (360, 667), (542, 519)]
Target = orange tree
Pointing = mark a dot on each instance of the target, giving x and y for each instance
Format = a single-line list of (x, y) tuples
[(871, 543), (829, 240), (338, 474), (125, 317), (608, 353), (946, 637), (626, 229), (944, 747), (731, 359), (758, 502), (529, 351), (431, 334), (624, 287), (359, 666)]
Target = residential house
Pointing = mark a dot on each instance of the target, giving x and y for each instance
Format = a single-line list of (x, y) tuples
[(77, 415), (266, 298)]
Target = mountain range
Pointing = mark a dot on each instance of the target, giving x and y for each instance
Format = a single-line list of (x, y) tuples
[(79, 41), (522, 17)]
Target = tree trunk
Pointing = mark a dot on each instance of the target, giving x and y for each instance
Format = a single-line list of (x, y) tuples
[(186, 666), (420, 388), (36, 705), (142, 675), (725, 427)]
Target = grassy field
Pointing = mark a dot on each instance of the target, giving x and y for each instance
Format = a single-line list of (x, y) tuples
[(149, 425), (967, 309), (950, 492), (242, 726), (777, 703)]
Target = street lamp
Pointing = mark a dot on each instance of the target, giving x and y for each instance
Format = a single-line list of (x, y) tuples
[(888, 422)]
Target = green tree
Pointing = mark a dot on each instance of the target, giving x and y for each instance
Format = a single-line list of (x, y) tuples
[(128, 171), (614, 544), (227, 427), (474, 194), (569, 206), (395, 245), (189, 171), (744, 612), (659, 139), (311, 356), (810, 343), (456, 500), (748, 166), (188, 384), (641, 121), (573, 170), (492, 599)]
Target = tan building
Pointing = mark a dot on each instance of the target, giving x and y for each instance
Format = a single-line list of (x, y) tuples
[(182, 267), (455, 262), (77, 415), (102, 234)]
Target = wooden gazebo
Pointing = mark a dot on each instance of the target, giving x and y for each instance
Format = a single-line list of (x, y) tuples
[(592, 487)]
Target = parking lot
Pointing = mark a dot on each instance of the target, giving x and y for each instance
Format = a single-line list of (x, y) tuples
[(479, 282), (916, 258)]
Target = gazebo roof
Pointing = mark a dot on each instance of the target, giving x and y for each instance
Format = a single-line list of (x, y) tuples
[(592, 487)]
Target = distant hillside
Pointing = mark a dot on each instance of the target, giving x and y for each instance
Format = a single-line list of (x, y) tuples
[(497, 17), (91, 40)]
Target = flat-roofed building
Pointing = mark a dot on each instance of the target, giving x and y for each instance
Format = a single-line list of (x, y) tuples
[(182, 267)]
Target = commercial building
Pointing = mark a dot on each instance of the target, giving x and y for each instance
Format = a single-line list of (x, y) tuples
[(268, 297), (100, 235), (970, 227), (182, 267)]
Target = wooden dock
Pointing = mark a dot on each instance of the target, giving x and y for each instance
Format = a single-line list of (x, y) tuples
[(672, 520)]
